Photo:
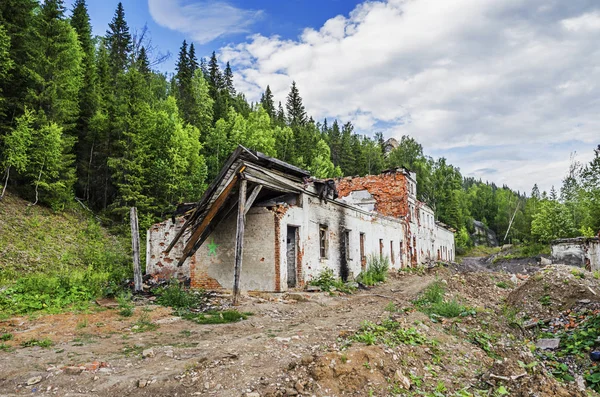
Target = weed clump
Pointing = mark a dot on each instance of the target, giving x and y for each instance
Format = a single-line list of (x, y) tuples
[(376, 272), (327, 282), (215, 317), (46, 342), (125, 305), (433, 303)]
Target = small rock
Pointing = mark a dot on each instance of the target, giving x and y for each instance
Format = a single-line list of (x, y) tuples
[(142, 383), (282, 340), (548, 344), (34, 380), (169, 353), (545, 261), (72, 370), (307, 359), (298, 386), (297, 297), (514, 279), (403, 380), (291, 392), (580, 383), (584, 301), (253, 394), (148, 353)]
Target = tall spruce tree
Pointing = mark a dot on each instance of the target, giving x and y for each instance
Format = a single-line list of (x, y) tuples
[(118, 40), (228, 81), (88, 96), (266, 100), (193, 60), (296, 114)]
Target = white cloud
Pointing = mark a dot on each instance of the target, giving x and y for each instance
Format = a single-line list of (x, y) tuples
[(203, 21), (461, 74)]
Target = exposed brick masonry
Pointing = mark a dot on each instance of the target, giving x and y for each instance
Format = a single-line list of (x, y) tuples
[(390, 191)]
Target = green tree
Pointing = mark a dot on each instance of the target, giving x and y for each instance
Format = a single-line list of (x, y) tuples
[(118, 41), (266, 100), (551, 221), (6, 63), (228, 81), (321, 165), (296, 114), (16, 147)]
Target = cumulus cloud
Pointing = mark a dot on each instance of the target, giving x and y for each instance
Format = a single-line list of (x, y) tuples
[(203, 21), (520, 75)]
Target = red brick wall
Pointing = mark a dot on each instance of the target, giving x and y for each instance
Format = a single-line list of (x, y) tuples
[(200, 278), (390, 191)]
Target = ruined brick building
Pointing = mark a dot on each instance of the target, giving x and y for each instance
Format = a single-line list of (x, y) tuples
[(266, 225)]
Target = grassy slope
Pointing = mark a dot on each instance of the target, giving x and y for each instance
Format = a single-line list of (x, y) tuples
[(37, 240)]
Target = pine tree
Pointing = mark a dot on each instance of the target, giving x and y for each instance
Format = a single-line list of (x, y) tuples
[(142, 63), (280, 117), (17, 24), (118, 40), (215, 78), (267, 103), (88, 96), (193, 60), (228, 81), (296, 114)]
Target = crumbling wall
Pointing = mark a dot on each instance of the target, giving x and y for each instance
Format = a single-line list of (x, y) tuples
[(390, 191), (211, 267), (159, 236), (338, 219), (582, 252)]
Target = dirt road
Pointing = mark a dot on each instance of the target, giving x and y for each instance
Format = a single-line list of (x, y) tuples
[(183, 358)]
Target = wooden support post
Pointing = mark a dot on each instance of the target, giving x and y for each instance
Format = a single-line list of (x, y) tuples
[(135, 245), (239, 241)]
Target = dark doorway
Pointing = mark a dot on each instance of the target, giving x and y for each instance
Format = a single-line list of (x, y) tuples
[(292, 256)]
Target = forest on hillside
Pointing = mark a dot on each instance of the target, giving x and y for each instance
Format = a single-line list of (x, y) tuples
[(89, 119)]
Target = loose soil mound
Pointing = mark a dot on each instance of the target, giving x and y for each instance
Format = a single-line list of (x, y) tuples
[(553, 289)]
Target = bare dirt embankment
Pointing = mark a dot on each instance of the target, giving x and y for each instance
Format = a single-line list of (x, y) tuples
[(298, 344)]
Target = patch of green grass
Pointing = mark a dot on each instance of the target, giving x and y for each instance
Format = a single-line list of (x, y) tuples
[(126, 307), (82, 324), (176, 296), (432, 302), (215, 317), (5, 348), (504, 284), (545, 300), (6, 337), (391, 334), (144, 324), (578, 274), (46, 342)]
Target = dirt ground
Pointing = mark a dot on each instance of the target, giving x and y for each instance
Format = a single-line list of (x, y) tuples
[(296, 344)]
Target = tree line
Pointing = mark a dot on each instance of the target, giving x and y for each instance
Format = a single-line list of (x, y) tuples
[(88, 118)]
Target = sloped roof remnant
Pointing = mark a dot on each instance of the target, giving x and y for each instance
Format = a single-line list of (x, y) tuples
[(219, 199)]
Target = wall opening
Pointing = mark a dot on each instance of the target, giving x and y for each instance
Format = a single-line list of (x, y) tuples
[(363, 257), (323, 241), (380, 248), (344, 254), (292, 256), (393, 258)]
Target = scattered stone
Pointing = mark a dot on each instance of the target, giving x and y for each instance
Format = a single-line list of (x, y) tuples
[(584, 301), (313, 288), (514, 279), (291, 392), (168, 320), (299, 387), (545, 261), (148, 353), (72, 370), (253, 394), (297, 297), (402, 379), (142, 383), (548, 344), (282, 340), (307, 359), (34, 380)]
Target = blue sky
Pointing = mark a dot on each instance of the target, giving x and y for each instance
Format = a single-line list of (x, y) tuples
[(507, 91), (283, 18)]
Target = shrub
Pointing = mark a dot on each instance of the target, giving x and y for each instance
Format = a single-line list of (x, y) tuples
[(176, 296), (376, 272), (325, 280), (432, 302), (125, 305)]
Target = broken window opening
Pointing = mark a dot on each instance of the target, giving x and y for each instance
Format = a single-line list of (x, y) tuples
[(392, 252), (381, 248), (347, 244), (323, 241), (363, 257)]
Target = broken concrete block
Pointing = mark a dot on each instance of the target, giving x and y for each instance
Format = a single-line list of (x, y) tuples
[(545, 261), (148, 353), (34, 380), (548, 344), (313, 288)]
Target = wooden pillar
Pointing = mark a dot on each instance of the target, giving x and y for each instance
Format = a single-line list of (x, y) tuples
[(135, 245), (239, 240)]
